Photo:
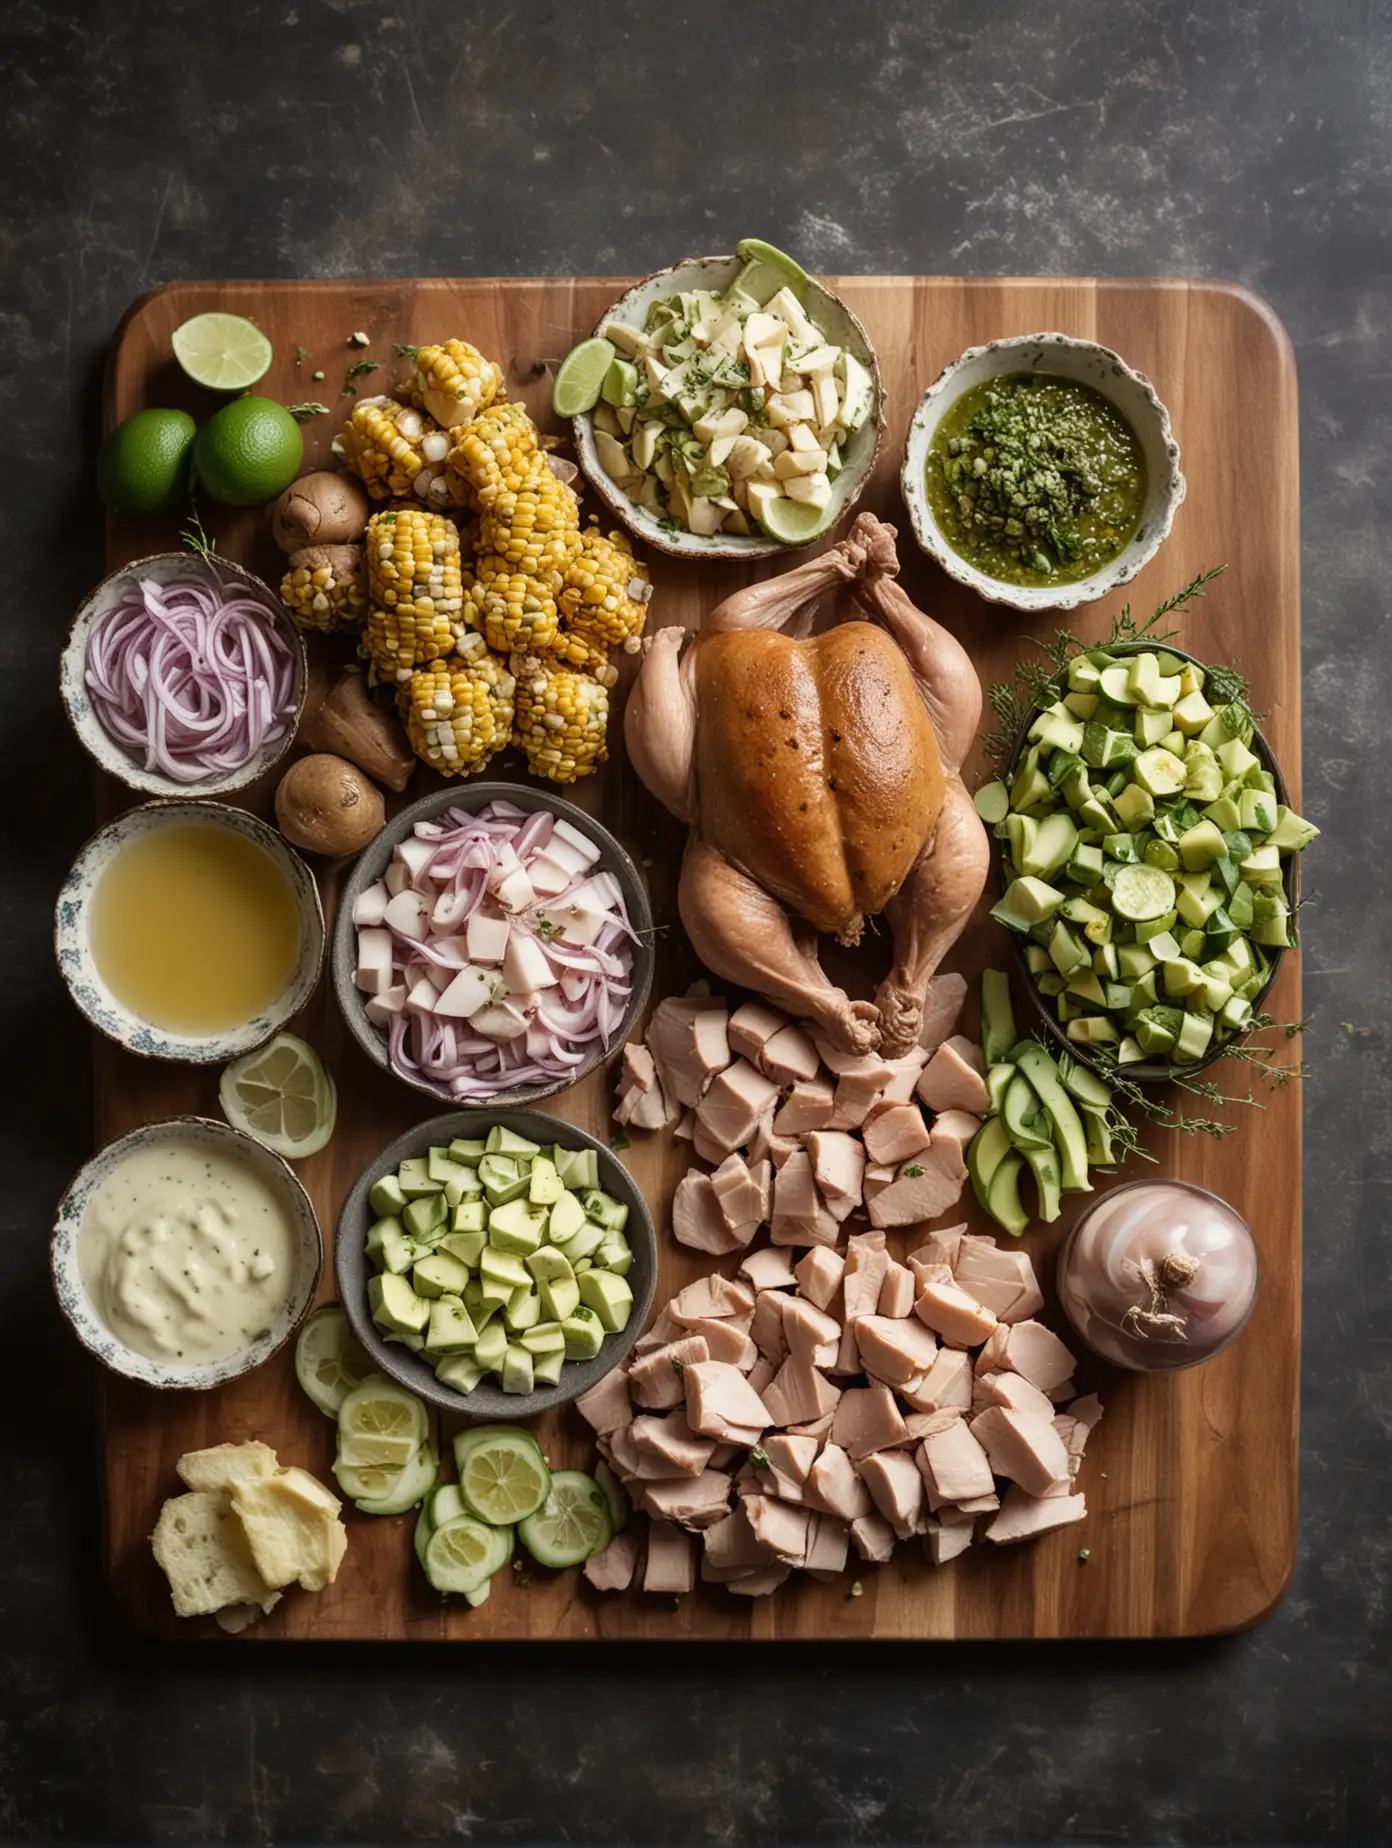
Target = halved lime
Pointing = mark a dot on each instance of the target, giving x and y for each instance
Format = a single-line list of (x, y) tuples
[(573, 1522), (502, 1476), (225, 352), (329, 1360), (143, 466), (794, 522), (582, 373), (282, 1095), (1140, 893)]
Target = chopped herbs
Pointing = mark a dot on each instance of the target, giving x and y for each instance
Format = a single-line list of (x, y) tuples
[(1036, 479), (758, 1456), (405, 352), (312, 409), (363, 365), (619, 1144), (913, 1173)]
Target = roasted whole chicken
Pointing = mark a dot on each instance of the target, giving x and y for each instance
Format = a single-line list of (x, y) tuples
[(819, 775)]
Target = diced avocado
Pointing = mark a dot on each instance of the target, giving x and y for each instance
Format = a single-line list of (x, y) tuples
[(582, 1243), (987, 1149), (1193, 1038), (1203, 779), (1031, 785), (604, 1209), (1134, 960), (1051, 983), (857, 391), (523, 1310), (1076, 787), (1182, 977), (395, 1253), (451, 1328), (502, 1267), (1150, 727), (1093, 1030), (1027, 902), (379, 1230), (1056, 729), (548, 1262), (440, 1274), (1129, 1052), (997, 1016), (1081, 705), (1019, 832), (992, 802), (1225, 813), (395, 1305), (1272, 930), (461, 1372), (1085, 868), (466, 1152), (414, 1178), (559, 1295), (1159, 772), (578, 1168), (1149, 931), (439, 1166), (615, 1254), (1098, 813), (490, 1347), (1141, 994), (469, 1216), (1147, 685), (1104, 961), (1213, 996), (517, 1226), (386, 1197), (1220, 930), (566, 1217), (544, 1338), (466, 1246), (1135, 807), (463, 1185), (1066, 952), (1116, 685), (544, 1184), (1158, 1028), (546, 1368), (1164, 947), (584, 1333), (1200, 846), (1196, 906), (1087, 989), (1262, 866), (507, 1142), (1052, 846), (1236, 1013), (998, 1077), (1084, 676), (1069, 1139), (1257, 811), (610, 1298), (1191, 714), (502, 1180), (424, 1215)]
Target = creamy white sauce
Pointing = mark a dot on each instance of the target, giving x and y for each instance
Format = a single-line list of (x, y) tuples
[(186, 1252)]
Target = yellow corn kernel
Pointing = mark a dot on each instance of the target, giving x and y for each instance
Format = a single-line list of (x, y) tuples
[(561, 722), (328, 595), (456, 382)]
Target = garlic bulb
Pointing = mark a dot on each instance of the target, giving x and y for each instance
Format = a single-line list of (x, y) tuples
[(1158, 1275)]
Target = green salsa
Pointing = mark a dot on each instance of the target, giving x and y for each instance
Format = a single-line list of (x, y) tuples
[(1036, 479)]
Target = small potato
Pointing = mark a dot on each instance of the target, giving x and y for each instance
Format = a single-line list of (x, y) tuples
[(326, 805), (319, 509)]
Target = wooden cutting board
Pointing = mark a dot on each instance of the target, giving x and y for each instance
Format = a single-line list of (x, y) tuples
[(1191, 1480)]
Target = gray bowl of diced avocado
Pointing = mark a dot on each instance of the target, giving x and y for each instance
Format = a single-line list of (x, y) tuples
[(497, 1262), (1148, 871)]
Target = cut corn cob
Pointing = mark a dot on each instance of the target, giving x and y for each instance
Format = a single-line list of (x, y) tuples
[(562, 718), (384, 443), (452, 714), (323, 588), (496, 453), (496, 674), (456, 382), (513, 609), (604, 599), (416, 590)]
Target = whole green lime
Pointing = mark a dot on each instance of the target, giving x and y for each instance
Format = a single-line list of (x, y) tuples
[(248, 452), (143, 466)]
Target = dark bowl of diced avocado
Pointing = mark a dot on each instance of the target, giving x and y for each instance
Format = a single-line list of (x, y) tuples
[(1148, 860), (497, 1262)]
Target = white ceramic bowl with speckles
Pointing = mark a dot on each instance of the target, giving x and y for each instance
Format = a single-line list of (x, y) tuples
[(1070, 358), (81, 1312), (833, 318), (72, 936), (93, 736)]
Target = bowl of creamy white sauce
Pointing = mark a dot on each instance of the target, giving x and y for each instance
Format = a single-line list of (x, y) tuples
[(185, 1254)]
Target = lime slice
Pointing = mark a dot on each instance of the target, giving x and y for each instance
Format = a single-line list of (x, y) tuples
[(329, 1361), (794, 522), (248, 452), (144, 463), (502, 1476), (1140, 893), (225, 352), (573, 1522), (381, 1423), (755, 250), (459, 1557), (378, 1490), (582, 373), (282, 1095)]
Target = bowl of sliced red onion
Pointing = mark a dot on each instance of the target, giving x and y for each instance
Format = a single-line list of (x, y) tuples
[(184, 676), (493, 945)]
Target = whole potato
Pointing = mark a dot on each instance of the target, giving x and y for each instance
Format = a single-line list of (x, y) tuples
[(326, 805), (319, 509)]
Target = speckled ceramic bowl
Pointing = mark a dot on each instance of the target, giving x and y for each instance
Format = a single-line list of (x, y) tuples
[(1132, 394), (832, 317), (371, 865), (94, 738), (73, 924), (488, 1400), (82, 1314)]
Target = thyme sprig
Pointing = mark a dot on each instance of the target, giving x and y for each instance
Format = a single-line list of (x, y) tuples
[(195, 536)]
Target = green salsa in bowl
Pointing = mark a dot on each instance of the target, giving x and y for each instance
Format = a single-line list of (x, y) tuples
[(1041, 471)]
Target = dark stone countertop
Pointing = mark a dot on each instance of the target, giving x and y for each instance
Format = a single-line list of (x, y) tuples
[(347, 137)]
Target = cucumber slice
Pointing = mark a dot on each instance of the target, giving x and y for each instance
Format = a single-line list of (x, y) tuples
[(383, 1491), (572, 1523), (381, 1423), (460, 1555), (329, 1360), (502, 1475), (424, 1528), (1140, 893)]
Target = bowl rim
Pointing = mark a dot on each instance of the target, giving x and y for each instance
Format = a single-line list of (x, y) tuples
[(72, 907), (370, 866), (1144, 1071), (1032, 599), (111, 757), (399, 1363), (94, 1335), (735, 546)]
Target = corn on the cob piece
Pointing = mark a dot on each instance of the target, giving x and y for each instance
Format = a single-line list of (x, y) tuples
[(386, 443), (496, 453), (416, 590), (513, 609), (561, 722), (604, 599), (323, 588), (458, 712), (456, 382)]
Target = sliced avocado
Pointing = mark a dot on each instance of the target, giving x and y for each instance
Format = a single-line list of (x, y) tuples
[(997, 1078), (987, 1149), (1044, 1165), (1023, 1115), (1069, 1138), (997, 1016), (1003, 1198)]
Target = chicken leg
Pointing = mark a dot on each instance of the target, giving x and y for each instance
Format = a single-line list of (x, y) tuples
[(660, 723), (743, 934)]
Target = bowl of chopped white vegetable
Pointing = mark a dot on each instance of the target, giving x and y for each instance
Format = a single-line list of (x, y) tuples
[(741, 413)]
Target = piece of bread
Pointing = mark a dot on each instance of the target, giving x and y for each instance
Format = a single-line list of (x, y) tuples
[(202, 1548), (224, 1465), (292, 1527)]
